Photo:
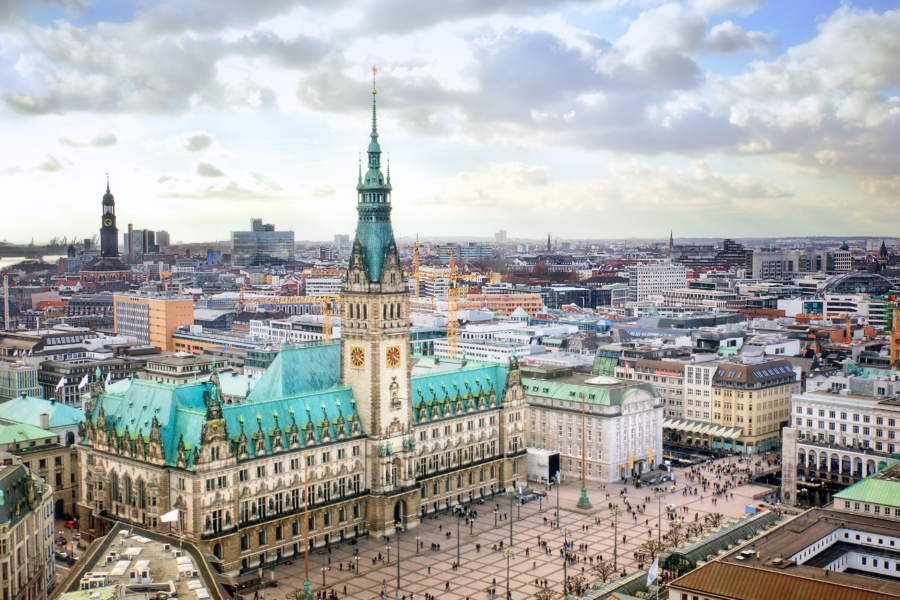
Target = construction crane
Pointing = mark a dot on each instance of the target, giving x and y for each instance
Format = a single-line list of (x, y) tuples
[(5, 274), (329, 306), (453, 292)]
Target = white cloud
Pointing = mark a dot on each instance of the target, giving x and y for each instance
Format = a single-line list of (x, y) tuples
[(207, 169), (101, 140), (728, 38)]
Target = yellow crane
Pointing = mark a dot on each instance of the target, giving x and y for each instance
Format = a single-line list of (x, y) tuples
[(329, 304)]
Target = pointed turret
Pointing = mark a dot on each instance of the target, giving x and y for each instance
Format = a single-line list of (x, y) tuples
[(374, 234)]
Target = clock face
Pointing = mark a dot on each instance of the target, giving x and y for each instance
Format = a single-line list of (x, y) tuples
[(393, 356), (107, 222), (357, 356)]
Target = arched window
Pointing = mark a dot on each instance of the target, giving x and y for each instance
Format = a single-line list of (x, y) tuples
[(218, 552), (114, 485), (129, 497), (142, 495)]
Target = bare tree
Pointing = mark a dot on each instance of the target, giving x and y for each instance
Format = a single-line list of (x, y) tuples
[(652, 548), (604, 570), (576, 585), (547, 594), (714, 519), (694, 530), (676, 537)]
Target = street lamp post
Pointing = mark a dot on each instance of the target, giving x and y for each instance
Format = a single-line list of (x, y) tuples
[(323, 574), (508, 554), (659, 497), (496, 512), (457, 533), (471, 525), (388, 548), (512, 496), (417, 544), (558, 482), (615, 513), (399, 529)]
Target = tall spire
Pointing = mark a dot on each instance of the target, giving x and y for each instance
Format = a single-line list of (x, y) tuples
[(107, 183), (374, 134)]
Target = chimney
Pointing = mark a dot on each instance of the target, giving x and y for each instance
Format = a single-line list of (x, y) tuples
[(45, 421)]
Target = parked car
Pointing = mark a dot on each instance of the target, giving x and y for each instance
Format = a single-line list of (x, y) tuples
[(71, 524)]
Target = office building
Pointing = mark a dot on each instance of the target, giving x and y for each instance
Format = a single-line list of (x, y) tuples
[(654, 279), (17, 379), (347, 417), (500, 236), (71, 369), (26, 526), (621, 433), (262, 245), (778, 265), (151, 320), (756, 398), (162, 240), (323, 286)]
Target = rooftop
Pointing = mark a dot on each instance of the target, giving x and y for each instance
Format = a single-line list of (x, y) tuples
[(752, 571), (602, 390), (129, 549), (28, 410)]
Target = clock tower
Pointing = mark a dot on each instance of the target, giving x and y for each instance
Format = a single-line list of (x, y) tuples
[(375, 347), (109, 234)]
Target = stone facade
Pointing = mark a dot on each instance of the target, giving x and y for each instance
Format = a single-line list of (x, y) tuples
[(336, 440)]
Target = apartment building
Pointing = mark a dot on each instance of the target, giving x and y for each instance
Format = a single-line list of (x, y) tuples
[(26, 532), (504, 304)]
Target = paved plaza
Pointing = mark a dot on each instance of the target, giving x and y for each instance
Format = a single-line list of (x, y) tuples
[(479, 569)]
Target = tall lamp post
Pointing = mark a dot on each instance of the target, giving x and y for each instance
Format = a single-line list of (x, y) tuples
[(399, 529), (583, 501), (457, 534), (615, 512), (417, 544), (512, 496), (558, 483), (496, 512), (659, 496), (388, 548), (508, 554)]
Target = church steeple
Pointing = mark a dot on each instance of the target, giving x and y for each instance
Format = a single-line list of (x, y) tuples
[(109, 234)]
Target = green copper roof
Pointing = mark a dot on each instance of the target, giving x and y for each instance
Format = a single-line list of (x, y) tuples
[(373, 230), (881, 488), (569, 391), (433, 382), (29, 410), (20, 432), (300, 370)]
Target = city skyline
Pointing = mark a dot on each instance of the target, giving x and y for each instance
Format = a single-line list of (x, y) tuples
[(604, 120)]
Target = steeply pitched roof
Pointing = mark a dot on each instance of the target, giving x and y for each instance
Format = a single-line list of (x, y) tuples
[(29, 410), (300, 370)]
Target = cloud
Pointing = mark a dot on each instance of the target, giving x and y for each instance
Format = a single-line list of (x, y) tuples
[(206, 169), (51, 164), (236, 187), (322, 190), (744, 7), (12, 11), (197, 141), (728, 38), (264, 181), (101, 140)]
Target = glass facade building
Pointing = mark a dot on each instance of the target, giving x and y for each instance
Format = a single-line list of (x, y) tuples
[(251, 248)]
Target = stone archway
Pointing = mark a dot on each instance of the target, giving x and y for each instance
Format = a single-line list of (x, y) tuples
[(400, 512)]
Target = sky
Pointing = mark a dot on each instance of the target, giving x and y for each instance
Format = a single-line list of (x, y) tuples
[(587, 119)]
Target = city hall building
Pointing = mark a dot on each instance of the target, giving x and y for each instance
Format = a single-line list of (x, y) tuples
[(344, 438)]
